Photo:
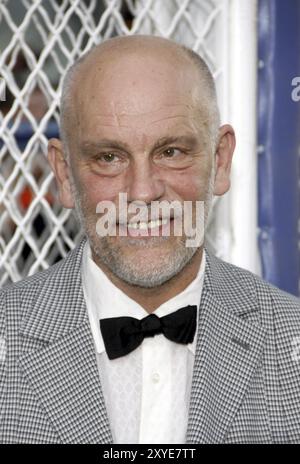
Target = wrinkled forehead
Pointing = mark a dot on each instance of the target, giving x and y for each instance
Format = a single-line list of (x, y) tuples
[(136, 83)]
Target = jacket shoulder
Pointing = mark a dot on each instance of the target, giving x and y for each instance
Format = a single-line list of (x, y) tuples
[(57, 269), (20, 296), (231, 278), (32, 281)]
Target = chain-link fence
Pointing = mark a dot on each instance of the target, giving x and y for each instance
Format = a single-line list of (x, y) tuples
[(39, 40)]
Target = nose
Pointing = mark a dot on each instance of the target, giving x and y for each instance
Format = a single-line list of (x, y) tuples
[(144, 182)]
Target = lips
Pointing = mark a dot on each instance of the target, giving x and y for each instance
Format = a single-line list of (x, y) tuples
[(146, 225), (156, 227)]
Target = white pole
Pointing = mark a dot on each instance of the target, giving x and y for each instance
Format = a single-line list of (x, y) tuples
[(242, 114)]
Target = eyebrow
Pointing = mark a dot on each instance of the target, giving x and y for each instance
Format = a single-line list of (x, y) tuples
[(187, 140), (104, 143)]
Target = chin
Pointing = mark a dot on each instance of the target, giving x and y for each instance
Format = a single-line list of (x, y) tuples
[(147, 268)]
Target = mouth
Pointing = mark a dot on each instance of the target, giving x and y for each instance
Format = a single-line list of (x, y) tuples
[(157, 227), (147, 225)]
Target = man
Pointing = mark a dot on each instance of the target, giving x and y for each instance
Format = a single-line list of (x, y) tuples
[(136, 337)]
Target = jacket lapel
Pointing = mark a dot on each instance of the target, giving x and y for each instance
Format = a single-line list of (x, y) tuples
[(228, 350), (62, 370)]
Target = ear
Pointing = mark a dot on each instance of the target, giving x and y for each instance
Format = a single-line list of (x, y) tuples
[(224, 153), (61, 170)]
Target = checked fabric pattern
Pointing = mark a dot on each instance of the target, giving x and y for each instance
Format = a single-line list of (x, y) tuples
[(246, 379)]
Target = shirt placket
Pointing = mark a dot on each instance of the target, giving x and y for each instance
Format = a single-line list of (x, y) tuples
[(156, 391)]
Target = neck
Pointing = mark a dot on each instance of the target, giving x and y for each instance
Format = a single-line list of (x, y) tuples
[(152, 298)]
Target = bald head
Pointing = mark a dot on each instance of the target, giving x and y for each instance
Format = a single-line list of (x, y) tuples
[(133, 55)]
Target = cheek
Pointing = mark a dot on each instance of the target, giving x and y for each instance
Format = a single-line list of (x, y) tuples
[(96, 188), (190, 185)]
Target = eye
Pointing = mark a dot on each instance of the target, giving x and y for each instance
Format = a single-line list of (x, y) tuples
[(108, 163), (171, 152), (108, 157)]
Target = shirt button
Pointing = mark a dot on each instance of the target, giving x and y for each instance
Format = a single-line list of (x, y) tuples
[(155, 377)]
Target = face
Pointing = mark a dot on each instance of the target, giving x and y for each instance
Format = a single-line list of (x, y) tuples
[(139, 130)]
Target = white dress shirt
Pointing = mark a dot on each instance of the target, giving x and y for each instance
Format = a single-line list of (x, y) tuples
[(147, 391)]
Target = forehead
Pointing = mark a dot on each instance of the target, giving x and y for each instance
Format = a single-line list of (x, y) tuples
[(136, 92)]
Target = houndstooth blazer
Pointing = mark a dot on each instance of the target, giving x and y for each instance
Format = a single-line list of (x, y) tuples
[(246, 379)]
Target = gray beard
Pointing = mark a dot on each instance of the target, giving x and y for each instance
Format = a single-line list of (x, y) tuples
[(146, 275)]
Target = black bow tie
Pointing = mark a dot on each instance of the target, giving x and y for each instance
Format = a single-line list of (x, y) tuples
[(121, 335)]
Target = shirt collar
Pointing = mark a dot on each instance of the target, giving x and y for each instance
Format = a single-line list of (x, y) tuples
[(104, 299)]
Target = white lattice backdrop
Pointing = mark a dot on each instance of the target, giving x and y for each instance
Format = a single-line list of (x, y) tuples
[(39, 39)]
